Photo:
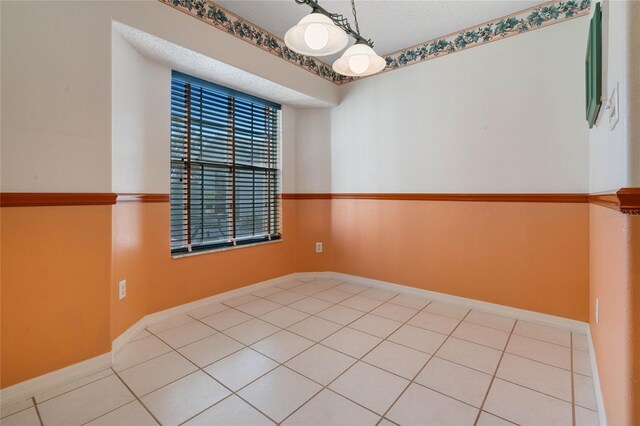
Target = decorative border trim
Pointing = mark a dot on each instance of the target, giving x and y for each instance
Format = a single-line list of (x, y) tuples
[(625, 200), (515, 198), (143, 198), (35, 199), (222, 19), (520, 22), (508, 26)]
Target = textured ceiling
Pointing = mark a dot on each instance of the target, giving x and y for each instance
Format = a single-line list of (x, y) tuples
[(391, 24)]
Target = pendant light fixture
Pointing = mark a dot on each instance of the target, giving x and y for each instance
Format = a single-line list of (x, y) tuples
[(322, 33)]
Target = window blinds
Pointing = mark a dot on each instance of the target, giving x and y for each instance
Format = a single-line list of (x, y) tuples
[(224, 167)]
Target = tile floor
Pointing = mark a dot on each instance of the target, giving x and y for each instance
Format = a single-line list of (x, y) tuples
[(327, 352)]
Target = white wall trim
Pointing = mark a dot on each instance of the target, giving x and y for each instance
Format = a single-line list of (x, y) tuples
[(26, 389), (521, 314), (602, 415)]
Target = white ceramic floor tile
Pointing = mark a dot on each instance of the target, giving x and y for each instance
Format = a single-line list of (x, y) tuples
[(321, 364), (434, 322), (309, 289), (386, 422), (237, 301), (456, 381), (241, 368), (230, 412), (279, 393), (541, 377), (584, 392), (315, 328), (369, 386), (183, 399), (403, 361), (379, 294), (352, 288), (132, 414), (329, 408), (333, 296), (14, 407), (328, 282), (543, 332), (157, 372), (394, 312), (418, 338), (140, 351), (487, 419), (481, 335), (226, 319), (422, 407), (410, 301), (258, 307), (340, 314), (581, 363), (526, 407), (26, 417), (373, 324), (310, 305), (284, 317), (538, 350), (351, 342), (491, 320), (580, 342), (205, 311), (267, 291), (210, 349), (167, 324), (282, 346), (290, 284), (251, 331), (182, 335), (470, 354), (286, 297), (59, 390), (447, 310), (361, 303), (586, 417), (85, 403)]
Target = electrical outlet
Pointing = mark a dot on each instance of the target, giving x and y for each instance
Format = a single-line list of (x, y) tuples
[(122, 289), (319, 247), (597, 311)]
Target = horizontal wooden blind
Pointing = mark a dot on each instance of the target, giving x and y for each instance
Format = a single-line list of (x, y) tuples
[(224, 167)]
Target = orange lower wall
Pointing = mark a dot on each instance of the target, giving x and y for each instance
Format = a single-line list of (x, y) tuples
[(615, 282), (156, 281), (56, 270), (532, 256)]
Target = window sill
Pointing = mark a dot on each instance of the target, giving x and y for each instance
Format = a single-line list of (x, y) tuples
[(218, 250)]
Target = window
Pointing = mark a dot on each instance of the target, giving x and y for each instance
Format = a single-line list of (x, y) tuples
[(224, 167)]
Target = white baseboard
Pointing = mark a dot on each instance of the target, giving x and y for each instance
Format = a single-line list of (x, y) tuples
[(73, 372), (28, 388), (602, 414), (521, 314)]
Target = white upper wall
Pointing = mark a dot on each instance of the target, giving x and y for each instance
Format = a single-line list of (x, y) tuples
[(56, 81), (504, 117)]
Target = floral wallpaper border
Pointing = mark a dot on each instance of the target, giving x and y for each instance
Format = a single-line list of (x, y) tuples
[(527, 20)]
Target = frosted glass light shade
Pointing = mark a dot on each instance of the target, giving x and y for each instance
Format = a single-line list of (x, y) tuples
[(358, 61), (316, 35)]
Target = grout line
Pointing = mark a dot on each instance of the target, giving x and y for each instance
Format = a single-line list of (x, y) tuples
[(79, 387), (33, 400), (412, 381), (136, 399), (493, 378)]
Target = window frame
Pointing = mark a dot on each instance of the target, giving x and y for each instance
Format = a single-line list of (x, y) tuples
[(273, 201)]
